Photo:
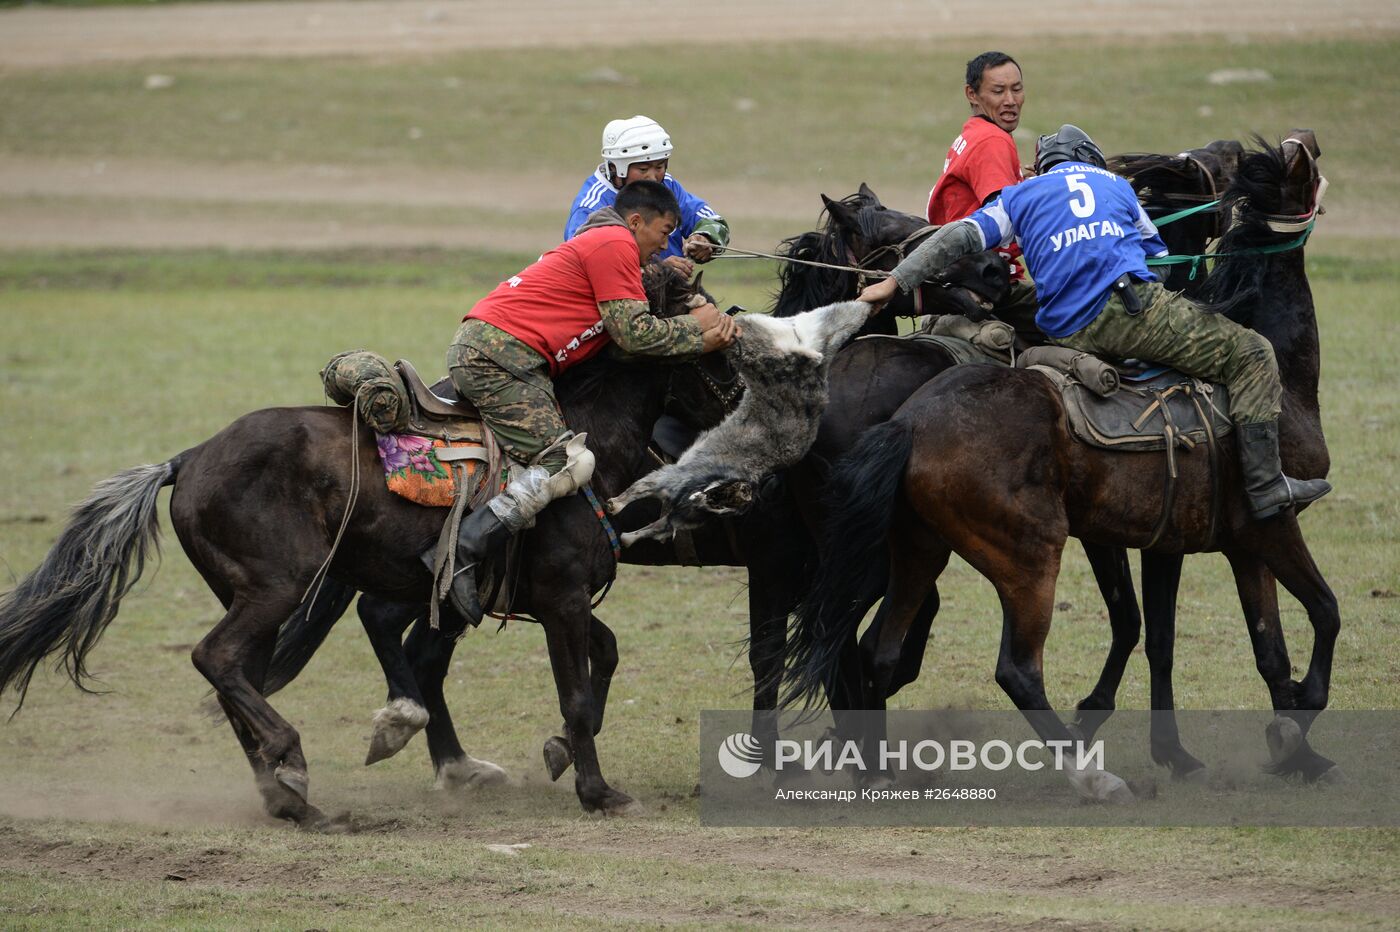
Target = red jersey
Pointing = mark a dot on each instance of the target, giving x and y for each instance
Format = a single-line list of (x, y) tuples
[(552, 306), (980, 162)]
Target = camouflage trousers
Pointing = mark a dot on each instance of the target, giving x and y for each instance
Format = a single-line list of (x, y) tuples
[(509, 384), (1173, 331)]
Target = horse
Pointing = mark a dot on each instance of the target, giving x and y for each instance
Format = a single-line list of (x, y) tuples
[(257, 506), (774, 541), (979, 462)]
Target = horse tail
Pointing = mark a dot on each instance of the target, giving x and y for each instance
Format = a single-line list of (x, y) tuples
[(69, 599), (304, 632), (861, 497)]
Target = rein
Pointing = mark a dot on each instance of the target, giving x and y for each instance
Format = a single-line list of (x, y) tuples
[(732, 252), (1196, 260)]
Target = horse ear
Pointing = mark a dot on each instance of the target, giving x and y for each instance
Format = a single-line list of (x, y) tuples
[(842, 214), (869, 195), (1308, 138)]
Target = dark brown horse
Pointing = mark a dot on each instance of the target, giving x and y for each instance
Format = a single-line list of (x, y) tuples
[(257, 509), (979, 462)]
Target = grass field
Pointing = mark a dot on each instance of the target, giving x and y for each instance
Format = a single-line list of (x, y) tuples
[(132, 810)]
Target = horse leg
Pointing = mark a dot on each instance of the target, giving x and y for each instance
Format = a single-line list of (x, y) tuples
[(602, 661), (916, 560), (566, 628), (914, 571), (1287, 735), (1292, 564), (1024, 572), (404, 714), (234, 657), (429, 654), (911, 651), (1115, 578), (1161, 576)]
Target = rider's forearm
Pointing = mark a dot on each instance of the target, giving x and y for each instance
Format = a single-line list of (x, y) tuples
[(636, 330), (950, 243)]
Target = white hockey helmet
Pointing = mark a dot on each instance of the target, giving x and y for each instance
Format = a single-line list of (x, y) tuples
[(640, 139)]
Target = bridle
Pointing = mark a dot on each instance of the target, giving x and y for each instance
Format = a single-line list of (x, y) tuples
[(900, 251), (1298, 223)]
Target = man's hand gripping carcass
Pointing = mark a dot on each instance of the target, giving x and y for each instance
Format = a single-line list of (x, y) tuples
[(784, 363)]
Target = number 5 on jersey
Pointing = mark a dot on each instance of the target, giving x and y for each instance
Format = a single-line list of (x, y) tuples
[(1078, 189)]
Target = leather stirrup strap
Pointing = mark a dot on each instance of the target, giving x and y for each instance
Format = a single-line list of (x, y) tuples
[(1213, 451), (1169, 432)]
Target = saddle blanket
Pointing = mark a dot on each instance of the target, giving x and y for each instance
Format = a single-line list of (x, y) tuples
[(412, 468)]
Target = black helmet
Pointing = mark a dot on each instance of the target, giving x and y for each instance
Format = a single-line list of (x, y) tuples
[(1069, 144)]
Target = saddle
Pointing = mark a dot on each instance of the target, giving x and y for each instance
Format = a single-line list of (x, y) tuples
[(438, 411), (1160, 410)]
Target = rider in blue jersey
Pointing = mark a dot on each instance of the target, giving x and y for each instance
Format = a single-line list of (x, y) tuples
[(637, 149), (1086, 242)]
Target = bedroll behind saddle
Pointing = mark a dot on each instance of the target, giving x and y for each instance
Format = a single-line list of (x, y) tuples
[(395, 400)]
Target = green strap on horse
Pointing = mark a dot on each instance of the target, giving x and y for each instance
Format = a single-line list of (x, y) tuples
[(1196, 260)]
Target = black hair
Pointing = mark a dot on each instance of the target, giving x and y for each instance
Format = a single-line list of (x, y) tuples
[(648, 198), (978, 66)]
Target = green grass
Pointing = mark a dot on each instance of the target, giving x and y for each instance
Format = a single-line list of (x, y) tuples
[(821, 114), (112, 359)]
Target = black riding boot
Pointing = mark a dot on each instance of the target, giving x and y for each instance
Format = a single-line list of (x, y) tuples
[(478, 532), (1269, 490)]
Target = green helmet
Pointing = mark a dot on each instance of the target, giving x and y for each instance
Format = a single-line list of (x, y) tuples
[(1068, 144)]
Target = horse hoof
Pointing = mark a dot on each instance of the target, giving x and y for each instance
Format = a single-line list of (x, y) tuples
[(558, 757), (1333, 776), (469, 773), (1284, 738), (394, 726), (1199, 776), (620, 805), (294, 780), (1100, 786)]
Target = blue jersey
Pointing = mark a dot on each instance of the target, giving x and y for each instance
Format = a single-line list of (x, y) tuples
[(1080, 227), (597, 192)]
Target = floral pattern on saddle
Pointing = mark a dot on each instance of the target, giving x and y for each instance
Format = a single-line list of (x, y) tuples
[(412, 468)]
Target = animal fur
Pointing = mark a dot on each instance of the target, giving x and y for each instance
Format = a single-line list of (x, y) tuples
[(784, 363)]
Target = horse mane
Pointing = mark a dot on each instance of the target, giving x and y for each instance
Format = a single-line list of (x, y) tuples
[(1157, 179), (803, 287), (1257, 190)]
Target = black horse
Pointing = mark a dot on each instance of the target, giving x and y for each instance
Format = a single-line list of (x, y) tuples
[(258, 506), (978, 462)]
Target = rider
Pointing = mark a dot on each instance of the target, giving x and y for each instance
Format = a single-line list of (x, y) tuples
[(639, 149), (981, 161), (541, 321), (1086, 240)]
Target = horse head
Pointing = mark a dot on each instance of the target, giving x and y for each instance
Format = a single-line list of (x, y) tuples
[(1259, 279), (861, 232)]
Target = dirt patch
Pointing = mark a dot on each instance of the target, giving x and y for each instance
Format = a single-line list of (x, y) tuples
[(915, 859), (41, 37)]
